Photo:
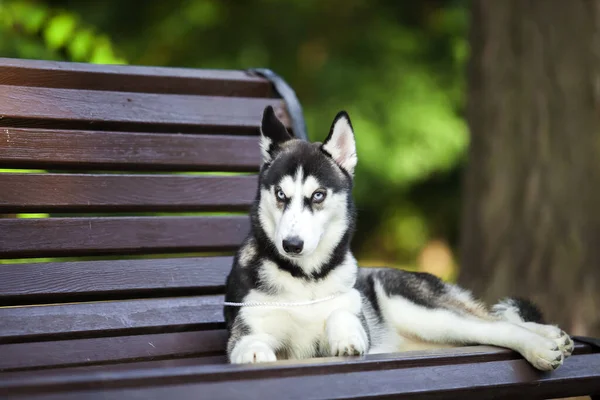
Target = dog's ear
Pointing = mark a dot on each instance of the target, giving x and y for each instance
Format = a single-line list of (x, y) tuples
[(273, 134), (340, 143)]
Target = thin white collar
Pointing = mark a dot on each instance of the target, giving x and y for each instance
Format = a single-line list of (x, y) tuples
[(282, 305)]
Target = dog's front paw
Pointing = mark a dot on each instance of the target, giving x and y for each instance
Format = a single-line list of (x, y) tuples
[(352, 345), (346, 335), (252, 352), (544, 354)]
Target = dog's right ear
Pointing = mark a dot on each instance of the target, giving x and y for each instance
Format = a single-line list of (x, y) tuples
[(272, 135)]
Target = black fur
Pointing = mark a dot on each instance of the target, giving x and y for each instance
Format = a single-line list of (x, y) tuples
[(528, 311), (314, 162), (365, 284), (420, 288), (285, 156), (239, 282), (272, 128)]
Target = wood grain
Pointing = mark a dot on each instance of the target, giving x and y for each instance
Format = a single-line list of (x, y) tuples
[(496, 379), (38, 283), (101, 108), (68, 321), (47, 237), (120, 193), (63, 353), (129, 78), (87, 150), (74, 354)]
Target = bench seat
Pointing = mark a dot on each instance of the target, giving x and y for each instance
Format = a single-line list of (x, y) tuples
[(124, 192)]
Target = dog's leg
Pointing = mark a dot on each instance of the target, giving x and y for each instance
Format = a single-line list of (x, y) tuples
[(346, 334), (444, 326), (513, 310)]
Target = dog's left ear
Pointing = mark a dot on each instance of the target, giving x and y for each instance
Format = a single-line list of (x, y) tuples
[(340, 143), (273, 134)]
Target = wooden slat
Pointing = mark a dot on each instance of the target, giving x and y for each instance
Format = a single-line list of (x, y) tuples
[(515, 379), (40, 148), (108, 109), (127, 78), (57, 282), (64, 353), (110, 318), (160, 361), (119, 193), (48, 237), (81, 352)]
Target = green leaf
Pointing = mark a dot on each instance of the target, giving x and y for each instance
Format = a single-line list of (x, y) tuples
[(59, 30), (82, 45)]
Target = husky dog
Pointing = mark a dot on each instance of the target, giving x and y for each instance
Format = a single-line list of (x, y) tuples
[(300, 293)]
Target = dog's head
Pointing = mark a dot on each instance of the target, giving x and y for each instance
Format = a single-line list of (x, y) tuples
[(304, 201)]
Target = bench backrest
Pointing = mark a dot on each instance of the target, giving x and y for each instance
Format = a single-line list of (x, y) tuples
[(143, 178)]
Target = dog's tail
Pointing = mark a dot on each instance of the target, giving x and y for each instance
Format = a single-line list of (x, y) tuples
[(517, 309)]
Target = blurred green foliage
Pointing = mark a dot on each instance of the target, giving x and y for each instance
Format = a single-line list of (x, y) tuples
[(397, 67), (36, 30)]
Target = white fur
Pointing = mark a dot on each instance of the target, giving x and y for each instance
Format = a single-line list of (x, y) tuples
[(297, 220), (446, 327), (247, 253), (256, 348), (508, 310), (342, 145), (345, 334), (320, 230), (299, 328), (265, 144), (334, 324)]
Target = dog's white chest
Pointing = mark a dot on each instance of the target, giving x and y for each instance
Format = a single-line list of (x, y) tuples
[(301, 329)]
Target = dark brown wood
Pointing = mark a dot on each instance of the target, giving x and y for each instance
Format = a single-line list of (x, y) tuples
[(495, 379), (118, 349), (100, 108), (125, 365), (120, 193), (87, 150), (58, 282), (67, 321), (141, 348), (69, 75), (48, 237), (216, 339)]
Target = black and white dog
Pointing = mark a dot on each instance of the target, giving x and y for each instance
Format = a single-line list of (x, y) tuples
[(299, 293)]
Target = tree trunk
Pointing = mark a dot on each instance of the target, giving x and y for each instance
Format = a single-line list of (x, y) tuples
[(531, 217)]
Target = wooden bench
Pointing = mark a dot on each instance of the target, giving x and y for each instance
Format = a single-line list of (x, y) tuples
[(145, 174)]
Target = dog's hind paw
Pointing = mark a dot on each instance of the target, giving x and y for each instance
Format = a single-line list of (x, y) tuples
[(544, 354), (560, 337), (567, 345)]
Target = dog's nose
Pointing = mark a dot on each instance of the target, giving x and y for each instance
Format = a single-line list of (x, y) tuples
[(293, 245)]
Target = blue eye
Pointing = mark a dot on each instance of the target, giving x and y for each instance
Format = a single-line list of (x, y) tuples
[(279, 194), (318, 196)]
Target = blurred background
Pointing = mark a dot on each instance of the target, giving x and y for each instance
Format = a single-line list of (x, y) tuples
[(511, 86)]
